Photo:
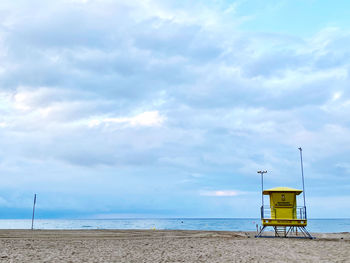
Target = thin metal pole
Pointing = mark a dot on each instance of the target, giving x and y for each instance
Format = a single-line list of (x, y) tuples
[(302, 176), (262, 192), (262, 188), (33, 210)]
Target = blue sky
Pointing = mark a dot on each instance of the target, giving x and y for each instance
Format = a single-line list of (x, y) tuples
[(168, 108)]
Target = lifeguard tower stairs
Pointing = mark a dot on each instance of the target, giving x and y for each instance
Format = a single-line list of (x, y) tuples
[(283, 215)]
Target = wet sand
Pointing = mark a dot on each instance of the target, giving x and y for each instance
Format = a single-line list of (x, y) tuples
[(167, 246)]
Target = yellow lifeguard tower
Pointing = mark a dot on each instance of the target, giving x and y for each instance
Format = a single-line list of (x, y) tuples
[(283, 214)]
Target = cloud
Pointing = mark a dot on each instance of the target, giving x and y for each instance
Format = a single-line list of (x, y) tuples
[(148, 118), (221, 193), (161, 98)]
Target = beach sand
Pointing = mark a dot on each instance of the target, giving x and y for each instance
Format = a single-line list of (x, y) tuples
[(166, 246)]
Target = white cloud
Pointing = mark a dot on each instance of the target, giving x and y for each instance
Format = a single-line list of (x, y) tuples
[(147, 118), (221, 193)]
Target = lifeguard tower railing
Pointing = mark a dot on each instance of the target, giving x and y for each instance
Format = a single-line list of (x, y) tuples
[(266, 211), (269, 217)]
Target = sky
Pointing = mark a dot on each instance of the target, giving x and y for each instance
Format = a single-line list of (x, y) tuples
[(164, 108)]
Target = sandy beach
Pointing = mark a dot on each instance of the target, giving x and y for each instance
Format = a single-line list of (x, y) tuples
[(166, 246)]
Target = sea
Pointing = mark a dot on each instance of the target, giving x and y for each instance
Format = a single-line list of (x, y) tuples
[(220, 224)]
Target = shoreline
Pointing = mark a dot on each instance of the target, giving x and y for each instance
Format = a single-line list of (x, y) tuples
[(222, 224), (167, 246)]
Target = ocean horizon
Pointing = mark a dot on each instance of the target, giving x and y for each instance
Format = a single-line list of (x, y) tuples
[(218, 224)]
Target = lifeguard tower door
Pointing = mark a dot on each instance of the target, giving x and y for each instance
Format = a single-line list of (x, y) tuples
[(283, 205)]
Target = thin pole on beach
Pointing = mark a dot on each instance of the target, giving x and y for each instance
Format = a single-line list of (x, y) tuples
[(302, 176), (33, 211), (262, 192)]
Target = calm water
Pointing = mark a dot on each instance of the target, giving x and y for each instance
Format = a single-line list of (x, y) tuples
[(314, 225)]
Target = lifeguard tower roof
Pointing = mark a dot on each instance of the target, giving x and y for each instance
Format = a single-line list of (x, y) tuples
[(282, 189)]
